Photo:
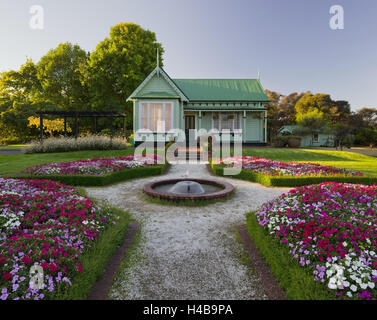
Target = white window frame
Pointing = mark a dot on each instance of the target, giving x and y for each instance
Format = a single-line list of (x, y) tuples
[(234, 114), (163, 102)]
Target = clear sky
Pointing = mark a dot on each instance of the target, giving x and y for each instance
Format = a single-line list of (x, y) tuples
[(290, 41)]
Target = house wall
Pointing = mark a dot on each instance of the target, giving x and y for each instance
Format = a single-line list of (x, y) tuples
[(323, 139), (252, 125), (253, 128)]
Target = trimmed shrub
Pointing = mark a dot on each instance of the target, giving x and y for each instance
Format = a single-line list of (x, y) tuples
[(63, 144)]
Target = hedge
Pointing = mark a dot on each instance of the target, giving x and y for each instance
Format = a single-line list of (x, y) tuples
[(292, 181), (296, 281), (91, 180)]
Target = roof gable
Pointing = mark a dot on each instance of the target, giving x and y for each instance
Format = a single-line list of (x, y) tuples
[(158, 85), (222, 89)]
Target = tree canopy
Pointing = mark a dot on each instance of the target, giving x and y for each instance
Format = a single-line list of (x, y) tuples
[(60, 73), (69, 78), (119, 64)]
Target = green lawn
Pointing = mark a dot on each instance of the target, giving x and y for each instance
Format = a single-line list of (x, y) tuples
[(12, 164), (342, 159)]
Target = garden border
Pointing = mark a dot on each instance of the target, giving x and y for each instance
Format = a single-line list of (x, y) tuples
[(102, 286), (296, 281), (91, 180), (292, 181), (270, 285)]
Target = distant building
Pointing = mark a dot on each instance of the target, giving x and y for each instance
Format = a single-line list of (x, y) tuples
[(319, 138)]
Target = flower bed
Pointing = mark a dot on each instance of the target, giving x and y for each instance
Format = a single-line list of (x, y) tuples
[(277, 168), (290, 174), (96, 172), (96, 166), (330, 230), (47, 224)]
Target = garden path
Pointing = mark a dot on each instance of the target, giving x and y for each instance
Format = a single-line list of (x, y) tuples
[(187, 252)]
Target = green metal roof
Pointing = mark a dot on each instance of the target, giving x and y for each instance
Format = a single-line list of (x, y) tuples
[(222, 89)]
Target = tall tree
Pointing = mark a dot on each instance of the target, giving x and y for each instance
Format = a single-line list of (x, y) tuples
[(119, 64), (281, 110), (368, 116), (60, 72), (17, 102), (333, 111)]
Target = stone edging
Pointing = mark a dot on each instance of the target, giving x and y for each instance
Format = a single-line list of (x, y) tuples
[(269, 282), (102, 286)]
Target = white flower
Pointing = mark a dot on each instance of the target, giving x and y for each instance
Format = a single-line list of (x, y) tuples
[(349, 294), (363, 286), (353, 288), (332, 283)]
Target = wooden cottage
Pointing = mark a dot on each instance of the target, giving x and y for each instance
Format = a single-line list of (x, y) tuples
[(161, 104)]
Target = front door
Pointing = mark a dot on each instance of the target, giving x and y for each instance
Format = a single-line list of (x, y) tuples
[(190, 128)]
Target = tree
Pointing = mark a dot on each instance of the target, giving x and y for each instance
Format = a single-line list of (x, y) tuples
[(333, 111), (368, 116), (343, 135), (310, 122), (367, 136), (49, 126), (119, 64), (281, 110), (61, 73), (17, 102)]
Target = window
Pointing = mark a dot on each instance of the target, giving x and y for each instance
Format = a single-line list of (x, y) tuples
[(315, 137), (156, 116), (226, 120)]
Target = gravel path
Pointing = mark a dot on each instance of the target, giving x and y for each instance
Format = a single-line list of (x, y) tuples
[(187, 252)]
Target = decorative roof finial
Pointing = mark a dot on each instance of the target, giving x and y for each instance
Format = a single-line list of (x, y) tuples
[(258, 74), (158, 63), (158, 59)]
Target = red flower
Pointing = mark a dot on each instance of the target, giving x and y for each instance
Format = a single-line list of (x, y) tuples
[(7, 276), (26, 260)]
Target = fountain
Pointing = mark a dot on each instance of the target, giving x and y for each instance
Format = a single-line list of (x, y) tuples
[(188, 189)]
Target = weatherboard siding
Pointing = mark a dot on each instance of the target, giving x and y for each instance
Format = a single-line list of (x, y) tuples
[(253, 128), (157, 84)]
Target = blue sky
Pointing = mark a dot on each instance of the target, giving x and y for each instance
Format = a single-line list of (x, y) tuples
[(290, 41)]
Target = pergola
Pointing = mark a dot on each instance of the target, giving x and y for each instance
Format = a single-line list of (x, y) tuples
[(82, 114)]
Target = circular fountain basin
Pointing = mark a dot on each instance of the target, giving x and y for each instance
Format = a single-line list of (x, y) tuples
[(188, 189)]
